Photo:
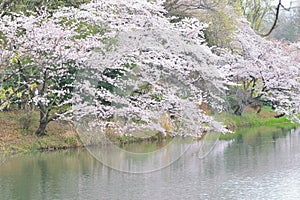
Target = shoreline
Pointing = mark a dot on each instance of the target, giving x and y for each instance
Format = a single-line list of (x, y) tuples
[(61, 135)]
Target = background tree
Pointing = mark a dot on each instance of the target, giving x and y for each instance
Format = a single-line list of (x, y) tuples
[(257, 12), (289, 24), (216, 13), (265, 16)]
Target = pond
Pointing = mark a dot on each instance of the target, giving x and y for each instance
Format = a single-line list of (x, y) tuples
[(255, 163)]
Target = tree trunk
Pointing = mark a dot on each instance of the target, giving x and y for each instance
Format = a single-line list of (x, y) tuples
[(239, 110), (279, 115), (43, 124)]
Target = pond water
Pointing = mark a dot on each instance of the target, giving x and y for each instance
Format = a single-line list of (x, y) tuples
[(254, 164)]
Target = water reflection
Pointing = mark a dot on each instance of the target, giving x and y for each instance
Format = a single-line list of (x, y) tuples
[(254, 164), (130, 160)]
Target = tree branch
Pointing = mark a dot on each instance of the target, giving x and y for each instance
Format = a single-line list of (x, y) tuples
[(276, 18)]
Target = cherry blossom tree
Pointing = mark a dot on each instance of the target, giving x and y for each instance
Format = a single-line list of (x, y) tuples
[(265, 71), (40, 56), (159, 71), (119, 62)]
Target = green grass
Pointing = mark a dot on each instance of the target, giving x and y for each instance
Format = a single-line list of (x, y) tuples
[(247, 120), (252, 119)]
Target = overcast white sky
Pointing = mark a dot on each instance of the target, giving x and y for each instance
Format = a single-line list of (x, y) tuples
[(286, 3)]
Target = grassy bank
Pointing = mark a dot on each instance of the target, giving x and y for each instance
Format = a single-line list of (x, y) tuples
[(17, 130), (17, 133), (251, 118)]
